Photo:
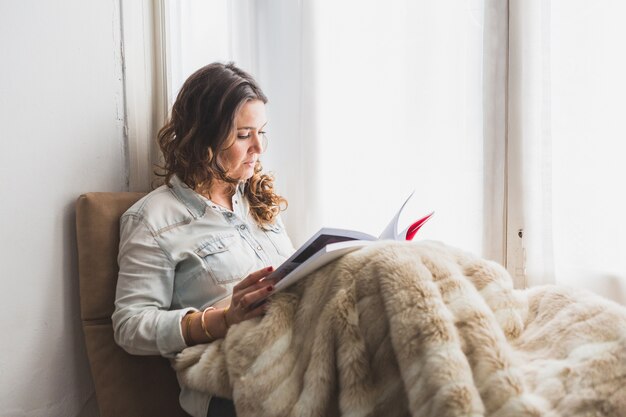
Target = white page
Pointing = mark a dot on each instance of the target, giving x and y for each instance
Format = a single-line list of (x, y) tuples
[(391, 231)]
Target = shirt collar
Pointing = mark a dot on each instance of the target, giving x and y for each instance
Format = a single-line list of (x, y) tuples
[(192, 200), (188, 197)]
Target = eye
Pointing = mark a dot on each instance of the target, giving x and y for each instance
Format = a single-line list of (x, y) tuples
[(243, 134)]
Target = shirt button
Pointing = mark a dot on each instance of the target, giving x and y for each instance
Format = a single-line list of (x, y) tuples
[(229, 214), (242, 227), (259, 248)]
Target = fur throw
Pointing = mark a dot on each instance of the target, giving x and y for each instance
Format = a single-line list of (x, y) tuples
[(420, 329)]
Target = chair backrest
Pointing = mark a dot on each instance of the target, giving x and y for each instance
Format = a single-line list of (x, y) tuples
[(126, 385)]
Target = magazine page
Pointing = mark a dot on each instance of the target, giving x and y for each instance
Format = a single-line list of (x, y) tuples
[(316, 243), (326, 255), (324, 247), (391, 231)]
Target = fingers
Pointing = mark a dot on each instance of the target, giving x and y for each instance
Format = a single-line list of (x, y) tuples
[(247, 306), (269, 281), (247, 293), (253, 297), (253, 278), (254, 287)]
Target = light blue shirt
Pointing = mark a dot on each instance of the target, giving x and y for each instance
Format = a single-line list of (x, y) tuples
[(180, 252)]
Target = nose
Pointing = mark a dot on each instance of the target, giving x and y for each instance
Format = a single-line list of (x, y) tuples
[(257, 142)]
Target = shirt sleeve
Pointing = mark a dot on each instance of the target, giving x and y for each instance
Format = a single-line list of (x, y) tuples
[(143, 323)]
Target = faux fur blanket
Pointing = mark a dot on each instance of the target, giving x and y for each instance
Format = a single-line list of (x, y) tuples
[(419, 329)]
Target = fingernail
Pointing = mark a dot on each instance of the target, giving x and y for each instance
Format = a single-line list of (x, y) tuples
[(269, 288), (270, 268)]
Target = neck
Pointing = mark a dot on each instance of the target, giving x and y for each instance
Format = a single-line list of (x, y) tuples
[(219, 194)]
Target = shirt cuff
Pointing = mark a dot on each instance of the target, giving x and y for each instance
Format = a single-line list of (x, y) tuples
[(169, 332)]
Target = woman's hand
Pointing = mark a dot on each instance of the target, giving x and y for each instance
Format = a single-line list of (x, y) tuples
[(211, 324), (247, 292)]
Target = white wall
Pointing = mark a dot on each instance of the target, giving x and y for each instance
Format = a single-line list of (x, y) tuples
[(61, 118)]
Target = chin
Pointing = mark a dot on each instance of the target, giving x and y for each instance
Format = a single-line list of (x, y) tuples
[(248, 174), (245, 176)]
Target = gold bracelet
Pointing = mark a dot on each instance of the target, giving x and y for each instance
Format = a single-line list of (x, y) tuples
[(224, 317), (188, 330), (206, 331)]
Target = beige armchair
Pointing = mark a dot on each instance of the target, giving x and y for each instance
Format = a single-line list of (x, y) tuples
[(126, 385)]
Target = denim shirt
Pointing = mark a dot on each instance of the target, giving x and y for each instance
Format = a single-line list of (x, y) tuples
[(180, 252)]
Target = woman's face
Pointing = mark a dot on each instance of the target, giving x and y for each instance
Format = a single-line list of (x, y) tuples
[(240, 158)]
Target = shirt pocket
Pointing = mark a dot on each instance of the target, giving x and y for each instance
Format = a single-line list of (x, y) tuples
[(277, 234), (221, 256)]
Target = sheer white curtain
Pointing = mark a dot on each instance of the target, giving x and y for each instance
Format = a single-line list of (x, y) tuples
[(371, 101), (567, 104), (200, 32)]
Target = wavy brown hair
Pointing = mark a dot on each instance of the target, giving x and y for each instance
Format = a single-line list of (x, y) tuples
[(201, 126)]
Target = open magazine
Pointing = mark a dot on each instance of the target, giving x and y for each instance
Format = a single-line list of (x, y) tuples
[(329, 244)]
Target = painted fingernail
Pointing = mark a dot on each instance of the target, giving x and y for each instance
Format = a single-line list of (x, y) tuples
[(271, 268), (269, 288)]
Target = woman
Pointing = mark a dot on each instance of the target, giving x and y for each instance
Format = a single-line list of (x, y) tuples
[(194, 252)]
